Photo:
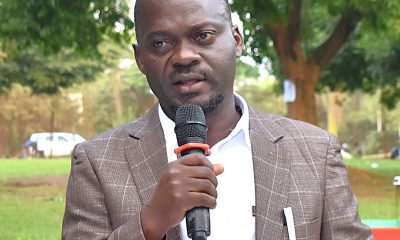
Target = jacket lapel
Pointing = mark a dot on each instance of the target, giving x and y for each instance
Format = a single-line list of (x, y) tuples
[(147, 157), (271, 175)]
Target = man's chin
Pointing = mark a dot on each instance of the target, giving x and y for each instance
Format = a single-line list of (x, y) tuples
[(194, 99), (208, 104)]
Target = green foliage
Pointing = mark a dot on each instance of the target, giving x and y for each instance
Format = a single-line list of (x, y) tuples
[(87, 109), (258, 91), (369, 61), (128, 85), (245, 71), (55, 24), (47, 73), (358, 124), (22, 113), (52, 44), (379, 142), (366, 66)]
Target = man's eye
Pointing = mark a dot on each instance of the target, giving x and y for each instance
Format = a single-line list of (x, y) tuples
[(205, 36), (159, 44)]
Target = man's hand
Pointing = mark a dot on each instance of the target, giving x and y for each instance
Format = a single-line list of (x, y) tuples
[(187, 182)]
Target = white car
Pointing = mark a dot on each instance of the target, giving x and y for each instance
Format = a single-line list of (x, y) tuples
[(54, 144)]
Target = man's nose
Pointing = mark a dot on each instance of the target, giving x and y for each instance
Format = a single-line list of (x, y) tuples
[(185, 54)]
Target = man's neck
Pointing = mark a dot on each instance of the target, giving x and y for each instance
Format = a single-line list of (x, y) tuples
[(221, 122)]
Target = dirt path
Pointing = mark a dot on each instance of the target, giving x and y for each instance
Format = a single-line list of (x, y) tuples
[(37, 181), (366, 184)]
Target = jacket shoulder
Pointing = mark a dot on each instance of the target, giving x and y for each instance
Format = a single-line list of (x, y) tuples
[(115, 138), (291, 128)]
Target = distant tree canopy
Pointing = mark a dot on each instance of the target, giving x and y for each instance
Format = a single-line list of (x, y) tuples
[(55, 24), (343, 44), (48, 44), (375, 66), (47, 73)]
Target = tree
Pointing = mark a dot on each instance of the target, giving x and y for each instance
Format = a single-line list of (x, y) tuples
[(55, 24), (369, 65), (86, 109), (132, 95), (23, 113), (302, 37), (367, 126), (259, 91), (47, 73), (52, 44)]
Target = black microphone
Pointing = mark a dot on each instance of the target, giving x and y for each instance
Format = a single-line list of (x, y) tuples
[(190, 127)]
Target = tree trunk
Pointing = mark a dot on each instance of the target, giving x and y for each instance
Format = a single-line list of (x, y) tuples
[(117, 95), (305, 77), (304, 74), (88, 115), (304, 71), (303, 108), (334, 112)]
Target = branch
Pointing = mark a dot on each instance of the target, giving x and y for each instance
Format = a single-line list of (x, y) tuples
[(278, 35), (294, 20), (261, 6), (346, 25)]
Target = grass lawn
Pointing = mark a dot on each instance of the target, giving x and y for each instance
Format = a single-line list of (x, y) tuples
[(33, 212), (32, 194), (34, 167), (32, 198), (371, 181)]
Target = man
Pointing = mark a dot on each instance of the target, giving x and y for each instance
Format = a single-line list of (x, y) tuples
[(127, 183)]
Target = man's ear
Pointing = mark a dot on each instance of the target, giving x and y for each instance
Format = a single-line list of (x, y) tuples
[(238, 40), (139, 61)]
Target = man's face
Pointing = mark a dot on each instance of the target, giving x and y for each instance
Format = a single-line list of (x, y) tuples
[(187, 50)]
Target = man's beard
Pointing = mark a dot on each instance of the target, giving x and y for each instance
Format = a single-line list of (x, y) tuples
[(209, 107)]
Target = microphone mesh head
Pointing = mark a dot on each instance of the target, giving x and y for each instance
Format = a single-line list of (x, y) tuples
[(190, 125)]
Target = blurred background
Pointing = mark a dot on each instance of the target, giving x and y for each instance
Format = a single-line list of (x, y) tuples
[(67, 73)]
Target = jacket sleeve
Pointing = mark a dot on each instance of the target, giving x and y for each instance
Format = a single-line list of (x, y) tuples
[(340, 214), (86, 215)]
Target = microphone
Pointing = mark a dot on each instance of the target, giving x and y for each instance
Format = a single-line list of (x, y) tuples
[(191, 133)]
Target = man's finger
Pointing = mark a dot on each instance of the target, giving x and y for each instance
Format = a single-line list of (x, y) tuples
[(218, 169)]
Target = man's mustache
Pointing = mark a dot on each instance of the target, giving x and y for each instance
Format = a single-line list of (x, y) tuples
[(177, 77)]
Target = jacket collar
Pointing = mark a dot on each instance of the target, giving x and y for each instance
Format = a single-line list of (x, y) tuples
[(147, 157), (271, 174)]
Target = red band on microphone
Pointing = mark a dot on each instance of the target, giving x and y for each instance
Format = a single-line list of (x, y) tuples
[(187, 146)]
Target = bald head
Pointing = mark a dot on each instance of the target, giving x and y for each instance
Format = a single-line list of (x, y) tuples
[(140, 4)]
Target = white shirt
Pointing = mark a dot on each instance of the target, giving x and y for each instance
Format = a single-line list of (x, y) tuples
[(232, 218)]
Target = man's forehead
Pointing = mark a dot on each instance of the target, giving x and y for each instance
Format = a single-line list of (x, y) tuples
[(139, 3), (144, 8), (155, 12)]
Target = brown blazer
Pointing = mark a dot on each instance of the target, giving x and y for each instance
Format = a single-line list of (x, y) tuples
[(295, 164)]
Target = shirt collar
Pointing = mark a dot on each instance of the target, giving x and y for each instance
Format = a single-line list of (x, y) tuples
[(243, 125)]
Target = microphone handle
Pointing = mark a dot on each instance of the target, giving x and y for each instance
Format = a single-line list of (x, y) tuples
[(198, 223), (198, 218)]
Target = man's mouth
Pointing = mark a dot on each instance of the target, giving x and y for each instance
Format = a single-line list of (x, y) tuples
[(189, 82), (187, 78)]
